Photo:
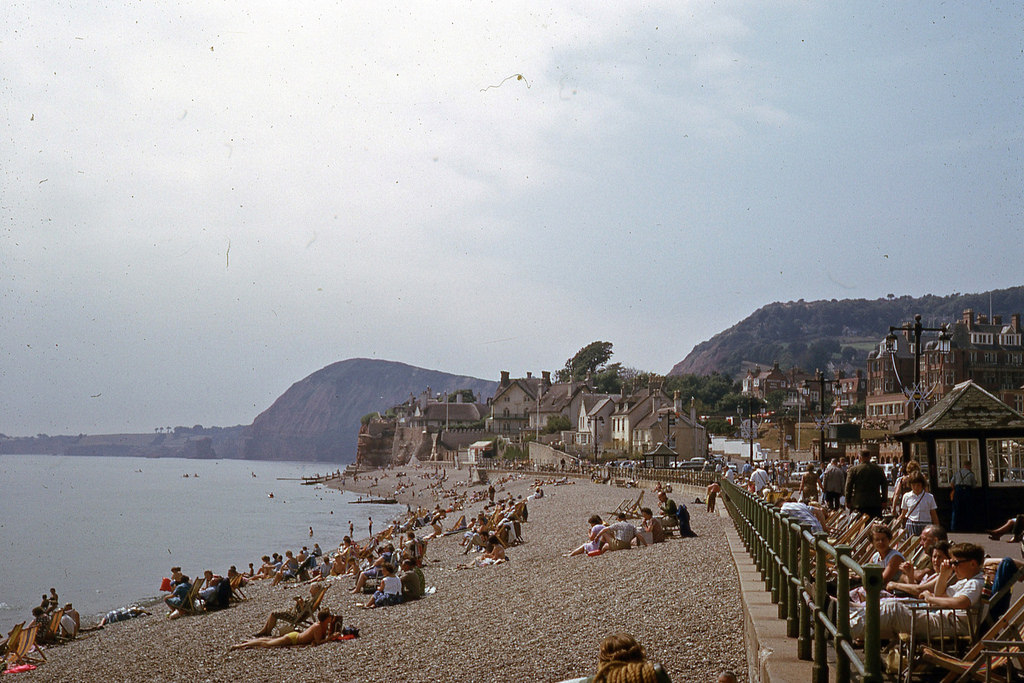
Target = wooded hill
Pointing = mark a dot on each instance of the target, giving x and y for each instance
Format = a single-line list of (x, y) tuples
[(834, 334)]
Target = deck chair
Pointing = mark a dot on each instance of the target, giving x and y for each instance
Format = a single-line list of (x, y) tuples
[(236, 588), (12, 638), (52, 632), (969, 667), (304, 616), (188, 605), (460, 525), (25, 650), (622, 506)]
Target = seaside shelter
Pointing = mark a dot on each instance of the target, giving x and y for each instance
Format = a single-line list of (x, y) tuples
[(661, 457), (970, 427)]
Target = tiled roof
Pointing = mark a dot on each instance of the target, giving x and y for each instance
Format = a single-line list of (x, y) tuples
[(966, 407)]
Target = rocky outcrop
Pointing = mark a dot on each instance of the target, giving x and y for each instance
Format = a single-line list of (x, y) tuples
[(318, 418), (383, 442)]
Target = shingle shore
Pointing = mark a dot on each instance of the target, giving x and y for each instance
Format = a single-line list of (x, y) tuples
[(539, 617)]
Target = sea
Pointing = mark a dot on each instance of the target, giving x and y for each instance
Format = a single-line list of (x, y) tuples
[(104, 531)]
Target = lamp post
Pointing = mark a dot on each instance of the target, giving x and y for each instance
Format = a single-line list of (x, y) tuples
[(750, 425), (819, 377), (594, 422), (917, 328)]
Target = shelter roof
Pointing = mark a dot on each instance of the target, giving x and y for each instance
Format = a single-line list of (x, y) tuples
[(966, 407)]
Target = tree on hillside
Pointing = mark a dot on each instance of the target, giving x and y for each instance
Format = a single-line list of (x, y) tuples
[(587, 361), (467, 396)]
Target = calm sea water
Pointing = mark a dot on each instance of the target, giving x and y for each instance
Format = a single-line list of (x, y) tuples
[(104, 531)]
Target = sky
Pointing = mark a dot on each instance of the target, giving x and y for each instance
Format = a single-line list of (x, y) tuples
[(202, 203)]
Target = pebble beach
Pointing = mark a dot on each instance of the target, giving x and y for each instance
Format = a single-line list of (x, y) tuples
[(539, 617)]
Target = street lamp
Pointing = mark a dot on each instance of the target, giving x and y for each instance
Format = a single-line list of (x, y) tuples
[(750, 425), (916, 394), (819, 377), (594, 421)]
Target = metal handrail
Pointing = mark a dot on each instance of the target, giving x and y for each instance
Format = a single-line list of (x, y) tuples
[(793, 562)]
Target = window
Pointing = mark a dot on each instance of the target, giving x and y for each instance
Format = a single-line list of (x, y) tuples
[(952, 454), (1005, 461), (919, 452)]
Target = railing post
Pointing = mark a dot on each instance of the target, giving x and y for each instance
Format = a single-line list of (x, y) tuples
[(819, 672), (842, 614), (783, 548), (872, 640), (774, 572), (762, 526), (793, 580), (803, 643)]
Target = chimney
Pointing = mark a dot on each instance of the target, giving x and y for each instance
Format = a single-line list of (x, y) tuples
[(997, 320), (529, 375), (968, 317), (982, 319), (1015, 322), (546, 376), (677, 402), (504, 378)]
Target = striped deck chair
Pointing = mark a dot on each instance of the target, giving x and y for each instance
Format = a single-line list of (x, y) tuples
[(188, 605), (236, 588), (25, 650), (12, 638), (973, 664), (304, 616), (622, 506), (52, 632)]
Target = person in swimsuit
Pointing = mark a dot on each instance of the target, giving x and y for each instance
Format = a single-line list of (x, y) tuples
[(314, 635)]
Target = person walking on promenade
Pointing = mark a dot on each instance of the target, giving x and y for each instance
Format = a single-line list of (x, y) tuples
[(832, 481), (963, 483), (866, 486)]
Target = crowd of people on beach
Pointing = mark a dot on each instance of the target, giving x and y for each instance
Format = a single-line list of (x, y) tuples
[(386, 568)]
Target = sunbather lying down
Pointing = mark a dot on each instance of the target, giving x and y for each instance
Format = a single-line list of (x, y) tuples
[(314, 635)]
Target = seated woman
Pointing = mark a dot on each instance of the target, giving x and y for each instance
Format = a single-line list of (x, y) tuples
[(314, 635), (918, 581), (289, 570), (885, 554), (179, 594), (594, 542), (375, 570), (266, 569), (494, 552), (915, 582), (651, 528), (390, 590)]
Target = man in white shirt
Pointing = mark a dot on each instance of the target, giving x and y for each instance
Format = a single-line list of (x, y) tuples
[(759, 479)]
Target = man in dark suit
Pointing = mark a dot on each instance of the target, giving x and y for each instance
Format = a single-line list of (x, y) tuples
[(866, 486)]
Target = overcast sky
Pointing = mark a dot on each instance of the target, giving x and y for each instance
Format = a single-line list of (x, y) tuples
[(203, 202)]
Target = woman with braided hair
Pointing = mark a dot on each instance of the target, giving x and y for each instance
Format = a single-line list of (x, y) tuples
[(623, 660)]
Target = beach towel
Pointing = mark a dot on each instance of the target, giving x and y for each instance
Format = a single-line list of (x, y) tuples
[(21, 667)]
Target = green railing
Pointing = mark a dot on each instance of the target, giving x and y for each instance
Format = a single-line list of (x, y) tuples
[(794, 564)]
